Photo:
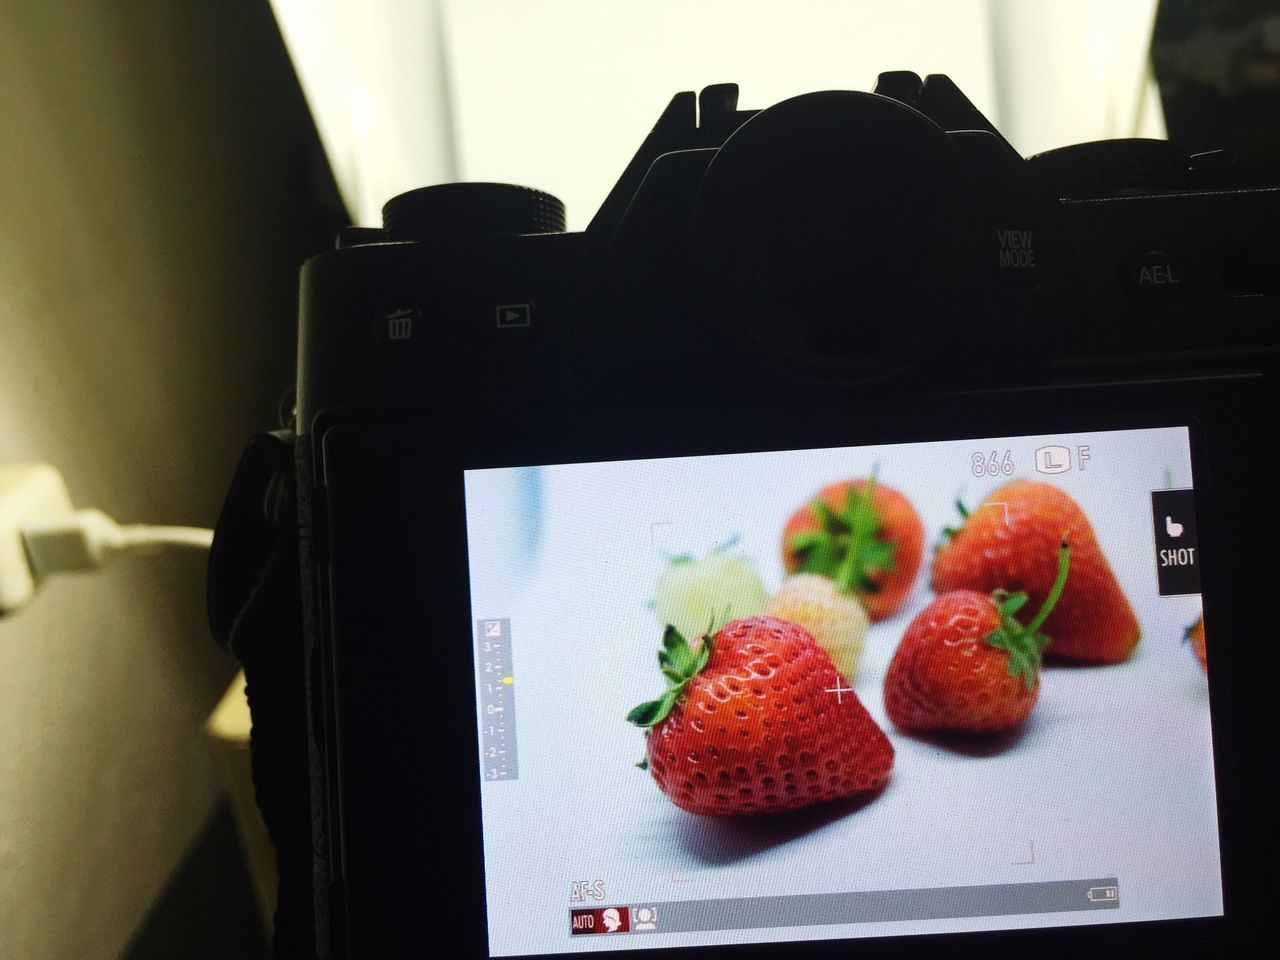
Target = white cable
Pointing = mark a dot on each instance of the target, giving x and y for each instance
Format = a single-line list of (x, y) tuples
[(88, 539), (42, 533), (142, 535)]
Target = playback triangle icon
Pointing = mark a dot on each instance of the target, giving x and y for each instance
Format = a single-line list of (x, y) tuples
[(509, 315)]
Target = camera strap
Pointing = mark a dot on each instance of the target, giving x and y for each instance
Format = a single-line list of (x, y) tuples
[(255, 614)]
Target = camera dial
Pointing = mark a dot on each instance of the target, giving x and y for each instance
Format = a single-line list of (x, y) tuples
[(452, 210)]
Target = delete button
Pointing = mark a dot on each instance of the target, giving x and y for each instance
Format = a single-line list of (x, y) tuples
[(1177, 551)]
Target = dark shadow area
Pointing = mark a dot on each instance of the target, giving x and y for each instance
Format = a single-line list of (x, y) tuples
[(207, 911), (720, 841), (161, 181), (970, 744), (1053, 661), (1218, 69)]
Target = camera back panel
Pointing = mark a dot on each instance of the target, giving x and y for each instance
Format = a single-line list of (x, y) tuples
[(509, 435)]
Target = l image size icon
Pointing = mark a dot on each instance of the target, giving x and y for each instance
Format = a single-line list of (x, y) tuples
[(1053, 460)]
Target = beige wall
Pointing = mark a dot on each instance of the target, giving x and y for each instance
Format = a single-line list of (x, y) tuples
[(158, 185)]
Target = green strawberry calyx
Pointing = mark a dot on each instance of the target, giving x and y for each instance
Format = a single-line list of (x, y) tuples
[(846, 547), (950, 533), (1025, 645), (679, 663), (719, 550)]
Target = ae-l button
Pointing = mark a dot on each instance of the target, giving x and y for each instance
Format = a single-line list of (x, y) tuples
[(1153, 277), (1177, 552)]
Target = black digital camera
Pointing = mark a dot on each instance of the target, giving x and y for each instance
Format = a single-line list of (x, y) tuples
[(936, 481)]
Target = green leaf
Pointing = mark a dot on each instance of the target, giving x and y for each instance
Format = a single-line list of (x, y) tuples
[(822, 555), (1010, 603), (675, 654), (1024, 656), (879, 554), (643, 764), (805, 540), (653, 712), (1000, 639), (826, 519), (847, 546), (643, 715), (715, 624), (1026, 644), (679, 664), (1022, 664), (877, 557), (950, 533), (680, 559), (866, 555)]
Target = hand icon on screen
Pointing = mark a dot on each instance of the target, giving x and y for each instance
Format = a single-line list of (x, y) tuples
[(1172, 527)]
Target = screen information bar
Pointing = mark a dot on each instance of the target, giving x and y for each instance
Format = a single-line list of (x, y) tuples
[(936, 903)]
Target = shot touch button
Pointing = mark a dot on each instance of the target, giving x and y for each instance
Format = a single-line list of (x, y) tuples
[(1177, 552)]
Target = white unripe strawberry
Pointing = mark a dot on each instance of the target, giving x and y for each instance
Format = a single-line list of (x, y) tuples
[(836, 621), (696, 596)]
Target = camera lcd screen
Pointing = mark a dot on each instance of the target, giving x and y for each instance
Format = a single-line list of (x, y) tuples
[(885, 735)]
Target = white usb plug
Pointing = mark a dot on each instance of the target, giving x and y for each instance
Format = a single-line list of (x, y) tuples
[(41, 533)]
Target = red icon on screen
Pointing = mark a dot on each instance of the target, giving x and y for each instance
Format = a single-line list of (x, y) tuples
[(600, 920)]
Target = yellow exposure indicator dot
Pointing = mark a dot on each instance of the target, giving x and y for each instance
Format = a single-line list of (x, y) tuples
[(508, 679)]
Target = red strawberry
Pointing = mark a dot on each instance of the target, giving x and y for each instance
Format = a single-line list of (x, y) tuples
[(965, 664), (754, 720), (1195, 636), (1009, 542), (865, 536)]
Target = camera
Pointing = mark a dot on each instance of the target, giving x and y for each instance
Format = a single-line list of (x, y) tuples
[(934, 479)]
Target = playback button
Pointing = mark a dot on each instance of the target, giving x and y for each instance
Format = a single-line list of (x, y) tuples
[(515, 320), (1173, 519)]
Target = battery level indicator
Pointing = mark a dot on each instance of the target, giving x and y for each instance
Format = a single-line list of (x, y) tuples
[(1103, 894)]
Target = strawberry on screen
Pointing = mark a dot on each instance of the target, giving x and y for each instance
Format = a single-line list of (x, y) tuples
[(1010, 542), (747, 725), (967, 664), (837, 622), (694, 594), (1195, 637), (866, 537)]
